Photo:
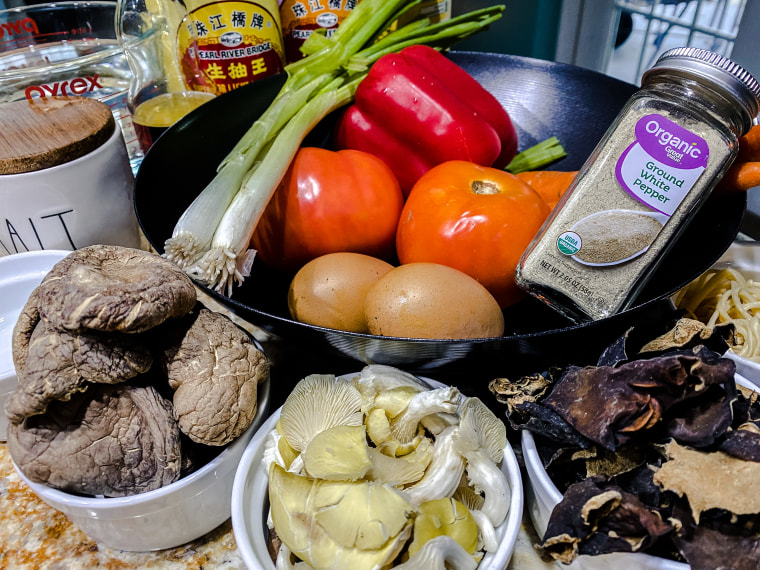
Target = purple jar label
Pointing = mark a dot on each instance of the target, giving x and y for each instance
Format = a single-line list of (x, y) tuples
[(662, 164)]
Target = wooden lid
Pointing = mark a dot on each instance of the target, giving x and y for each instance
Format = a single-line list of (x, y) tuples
[(49, 131)]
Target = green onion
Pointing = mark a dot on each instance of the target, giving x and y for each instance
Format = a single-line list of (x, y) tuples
[(222, 264), (211, 239), (537, 156)]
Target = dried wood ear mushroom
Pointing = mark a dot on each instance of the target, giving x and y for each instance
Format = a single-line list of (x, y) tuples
[(668, 460), (111, 288)]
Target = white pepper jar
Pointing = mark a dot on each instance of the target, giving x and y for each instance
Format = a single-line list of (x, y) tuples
[(654, 167)]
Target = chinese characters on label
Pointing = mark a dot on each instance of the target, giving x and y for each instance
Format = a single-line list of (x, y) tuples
[(236, 42)]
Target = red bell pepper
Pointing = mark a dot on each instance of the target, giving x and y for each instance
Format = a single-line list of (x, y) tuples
[(416, 109)]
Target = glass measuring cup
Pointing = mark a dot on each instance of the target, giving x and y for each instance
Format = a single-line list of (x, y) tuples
[(67, 48), (167, 80)]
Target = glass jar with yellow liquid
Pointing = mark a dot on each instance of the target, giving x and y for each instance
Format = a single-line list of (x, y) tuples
[(167, 81)]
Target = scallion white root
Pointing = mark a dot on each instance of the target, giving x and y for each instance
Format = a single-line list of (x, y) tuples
[(220, 266)]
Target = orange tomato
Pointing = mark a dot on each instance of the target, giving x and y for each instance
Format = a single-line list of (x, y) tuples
[(476, 219), (330, 202)]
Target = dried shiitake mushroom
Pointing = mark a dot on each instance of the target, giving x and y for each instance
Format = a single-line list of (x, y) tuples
[(59, 363), (111, 288), (112, 440), (91, 413), (214, 368)]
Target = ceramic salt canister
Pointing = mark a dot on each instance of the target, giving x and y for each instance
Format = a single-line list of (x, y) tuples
[(65, 179)]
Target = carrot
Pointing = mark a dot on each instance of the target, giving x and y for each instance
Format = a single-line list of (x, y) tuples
[(749, 146), (740, 177), (549, 184)]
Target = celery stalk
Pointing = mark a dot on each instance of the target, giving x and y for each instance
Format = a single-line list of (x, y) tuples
[(537, 156)]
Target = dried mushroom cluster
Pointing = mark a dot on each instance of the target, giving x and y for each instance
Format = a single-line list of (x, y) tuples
[(655, 453), (123, 376)]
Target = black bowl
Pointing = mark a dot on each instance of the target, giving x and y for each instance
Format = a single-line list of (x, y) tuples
[(543, 99)]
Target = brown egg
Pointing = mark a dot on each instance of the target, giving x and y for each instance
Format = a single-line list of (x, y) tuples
[(329, 291), (428, 300)]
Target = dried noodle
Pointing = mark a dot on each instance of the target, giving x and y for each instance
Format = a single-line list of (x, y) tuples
[(726, 296)]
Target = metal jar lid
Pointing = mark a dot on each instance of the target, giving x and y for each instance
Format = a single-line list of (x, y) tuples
[(735, 81)]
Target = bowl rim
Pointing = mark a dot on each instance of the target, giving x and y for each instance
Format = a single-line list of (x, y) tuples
[(115, 503), (35, 265), (13, 259), (247, 468), (540, 482)]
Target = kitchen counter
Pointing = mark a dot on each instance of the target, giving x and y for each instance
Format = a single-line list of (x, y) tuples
[(34, 535)]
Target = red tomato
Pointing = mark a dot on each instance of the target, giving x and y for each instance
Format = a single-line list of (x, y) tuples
[(329, 202), (473, 218)]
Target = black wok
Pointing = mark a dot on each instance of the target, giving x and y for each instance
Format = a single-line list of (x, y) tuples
[(544, 99)]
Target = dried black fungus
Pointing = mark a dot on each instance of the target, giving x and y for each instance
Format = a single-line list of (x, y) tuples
[(596, 516), (608, 405), (655, 426)]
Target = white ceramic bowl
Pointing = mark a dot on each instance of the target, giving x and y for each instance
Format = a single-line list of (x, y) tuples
[(250, 502), (20, 273), (166, 517), (542, 495)]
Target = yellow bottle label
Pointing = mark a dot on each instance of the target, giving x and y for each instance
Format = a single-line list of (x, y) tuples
[(236, 43), (302, 17), (436, 10)]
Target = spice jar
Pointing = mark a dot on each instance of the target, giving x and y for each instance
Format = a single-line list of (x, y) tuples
[(654, 167)]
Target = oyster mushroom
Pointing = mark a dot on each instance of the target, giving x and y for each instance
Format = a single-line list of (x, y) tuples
[(318, 402), (214, 368), (400, 471), (111, 288), (339, 453), (474, 502), (440, 553), (113, 440), (481, 439), (443, 474), (55, 364), (401, 433), (331, 524), (444, 517), (386, 387)]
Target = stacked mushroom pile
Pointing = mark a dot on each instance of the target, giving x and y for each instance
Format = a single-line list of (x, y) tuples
[(124, 379), (382, 467)]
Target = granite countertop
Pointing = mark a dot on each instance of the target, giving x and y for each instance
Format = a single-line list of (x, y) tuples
[(34, 535)]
